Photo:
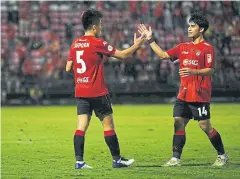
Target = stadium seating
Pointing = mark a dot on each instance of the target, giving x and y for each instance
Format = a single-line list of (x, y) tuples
[(118, 28)]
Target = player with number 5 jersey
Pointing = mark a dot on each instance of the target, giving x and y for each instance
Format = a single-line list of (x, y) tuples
[(87, 54), (86, 58)]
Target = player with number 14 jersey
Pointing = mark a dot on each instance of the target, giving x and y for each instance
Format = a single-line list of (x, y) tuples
[(193, 101)]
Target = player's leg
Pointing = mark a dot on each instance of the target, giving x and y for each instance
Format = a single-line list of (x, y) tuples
[(84, 111), (179, 137), (110, 135), (201, 112), (103, 111), (182, 115)]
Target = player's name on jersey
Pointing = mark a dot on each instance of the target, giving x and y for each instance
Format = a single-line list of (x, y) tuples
[(81, 45)]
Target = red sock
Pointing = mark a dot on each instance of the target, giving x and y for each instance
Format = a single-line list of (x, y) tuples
[(80, 133), (109, 133), (113, 145)]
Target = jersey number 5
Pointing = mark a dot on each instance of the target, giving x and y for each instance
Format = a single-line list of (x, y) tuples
[(79, 60)]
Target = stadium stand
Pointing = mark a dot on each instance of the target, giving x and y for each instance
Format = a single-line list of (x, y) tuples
[(36, 35)]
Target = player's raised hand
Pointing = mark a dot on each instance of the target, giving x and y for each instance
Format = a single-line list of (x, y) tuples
[(140, 40), (142, 29), (183, 72)]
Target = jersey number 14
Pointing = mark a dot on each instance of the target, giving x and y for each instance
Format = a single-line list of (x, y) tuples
[(202, 111), (80, 61)]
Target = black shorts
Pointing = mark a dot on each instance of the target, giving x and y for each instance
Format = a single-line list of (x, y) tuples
[(101, 106), (189, 110)]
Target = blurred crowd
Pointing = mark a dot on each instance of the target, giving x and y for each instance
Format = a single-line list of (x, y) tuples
[(36, 35)]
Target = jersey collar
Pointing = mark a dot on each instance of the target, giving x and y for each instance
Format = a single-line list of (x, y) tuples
[(198, 43)]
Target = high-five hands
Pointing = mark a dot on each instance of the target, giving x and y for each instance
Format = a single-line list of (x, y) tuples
[(140, 40), (142, 29)]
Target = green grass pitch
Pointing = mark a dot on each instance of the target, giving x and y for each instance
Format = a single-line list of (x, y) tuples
[(37, 142)]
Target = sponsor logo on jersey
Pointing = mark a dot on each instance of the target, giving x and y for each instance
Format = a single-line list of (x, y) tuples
[(110, 48), (190, 62), (83, 80), (185, 52), (209, 58)]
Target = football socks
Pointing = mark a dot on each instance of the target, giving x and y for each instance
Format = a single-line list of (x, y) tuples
[(216, 141), (112, 142), (79, 139), (179, 139)]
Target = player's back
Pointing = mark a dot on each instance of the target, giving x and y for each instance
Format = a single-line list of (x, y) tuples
[(87, 55)]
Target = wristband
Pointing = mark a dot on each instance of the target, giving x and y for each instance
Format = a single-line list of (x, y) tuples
[(151, 41)]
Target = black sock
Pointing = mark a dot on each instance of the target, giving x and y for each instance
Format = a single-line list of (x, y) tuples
[(216, 141), (79, 139), (112, 142), (179, 139)]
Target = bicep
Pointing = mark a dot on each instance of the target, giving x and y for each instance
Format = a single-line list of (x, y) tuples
[(69, 65), (173, 53)]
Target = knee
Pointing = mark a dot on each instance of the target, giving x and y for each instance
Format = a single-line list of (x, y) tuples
[(108, 123), (107, 127), (203, 126), (179, 123), (83, 122)]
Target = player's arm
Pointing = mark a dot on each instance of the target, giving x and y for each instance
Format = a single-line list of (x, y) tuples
[(69, 61), (200, 72), (123, 54), (155, 47), (69, 66)]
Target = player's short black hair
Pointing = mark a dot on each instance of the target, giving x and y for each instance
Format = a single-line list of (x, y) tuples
[(200, 19), (91, 17)]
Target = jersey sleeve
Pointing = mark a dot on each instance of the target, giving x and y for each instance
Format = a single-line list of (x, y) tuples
[(209, 57), (70, 55), (174, 53), (104, 48)]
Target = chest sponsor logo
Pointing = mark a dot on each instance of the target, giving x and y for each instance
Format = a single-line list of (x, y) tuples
[(83, 80), (209, 58), (187, 62)]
